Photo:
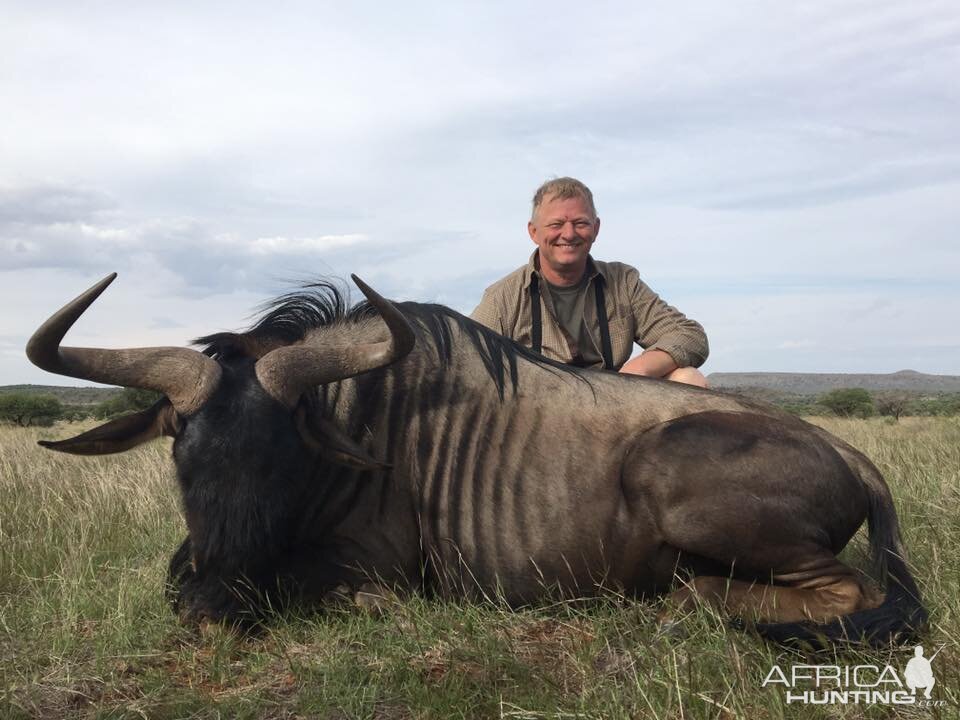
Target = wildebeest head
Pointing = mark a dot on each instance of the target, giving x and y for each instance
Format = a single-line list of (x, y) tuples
[(246, 446)]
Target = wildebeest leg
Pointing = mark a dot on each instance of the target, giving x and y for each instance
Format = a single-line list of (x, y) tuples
[(771, 502), (369, 597), (825, 590), (375, 599), (310, 576)]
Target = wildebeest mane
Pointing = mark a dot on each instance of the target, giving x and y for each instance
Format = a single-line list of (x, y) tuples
[(288, 318), (283, 320)]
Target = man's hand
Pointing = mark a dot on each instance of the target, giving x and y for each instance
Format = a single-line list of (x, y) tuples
[(652, 363)]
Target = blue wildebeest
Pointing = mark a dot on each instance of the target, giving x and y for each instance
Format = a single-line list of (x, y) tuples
[(328, 446)]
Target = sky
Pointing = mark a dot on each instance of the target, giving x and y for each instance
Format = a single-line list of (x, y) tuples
[(788, 174)]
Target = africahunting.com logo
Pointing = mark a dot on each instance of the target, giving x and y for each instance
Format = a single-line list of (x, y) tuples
[(859, 684)]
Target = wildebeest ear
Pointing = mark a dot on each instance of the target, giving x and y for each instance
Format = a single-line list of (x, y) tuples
[(328, 440), (123, 433)]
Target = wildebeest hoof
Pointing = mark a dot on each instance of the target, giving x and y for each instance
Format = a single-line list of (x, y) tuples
[(671, 630), (374, 599), (210, 629), (339, 597)]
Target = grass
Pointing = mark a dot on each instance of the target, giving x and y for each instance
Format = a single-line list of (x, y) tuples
[(85, 631)]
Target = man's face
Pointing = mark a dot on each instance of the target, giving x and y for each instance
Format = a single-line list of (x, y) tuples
[(564, 230)]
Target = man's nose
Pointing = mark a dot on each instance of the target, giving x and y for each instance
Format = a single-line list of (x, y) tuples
[(568, 231)]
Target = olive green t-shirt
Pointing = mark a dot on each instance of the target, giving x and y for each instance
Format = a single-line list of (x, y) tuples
[(568, 310)]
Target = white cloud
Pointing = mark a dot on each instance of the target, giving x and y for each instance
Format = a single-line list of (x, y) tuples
[(796, 344), (287, 246)]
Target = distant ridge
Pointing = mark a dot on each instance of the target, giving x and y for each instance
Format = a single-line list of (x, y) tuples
[(818, 383), (66, 394), (767, 383)]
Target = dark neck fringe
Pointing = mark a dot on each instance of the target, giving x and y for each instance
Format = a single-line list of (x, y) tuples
[(287, 319)]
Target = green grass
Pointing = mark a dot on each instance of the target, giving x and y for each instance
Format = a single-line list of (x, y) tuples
[(85, 631)]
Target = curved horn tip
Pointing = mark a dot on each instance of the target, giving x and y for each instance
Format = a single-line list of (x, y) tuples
[(92, 293), (39, 350), (99, 287), (403, 338), (364, 288)]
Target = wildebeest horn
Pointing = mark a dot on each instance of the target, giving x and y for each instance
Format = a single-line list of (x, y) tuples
[(185, 376), (287, 371)]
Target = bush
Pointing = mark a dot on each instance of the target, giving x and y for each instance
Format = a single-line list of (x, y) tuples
[(128, 401), (849, 402), (941, 404), (893, 405), (74, 413), (25, 409), (800, 407)]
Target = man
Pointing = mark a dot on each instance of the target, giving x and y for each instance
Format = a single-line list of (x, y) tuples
[(584, 312)]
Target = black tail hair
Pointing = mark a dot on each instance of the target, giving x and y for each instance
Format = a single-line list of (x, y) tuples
[(899, 618)]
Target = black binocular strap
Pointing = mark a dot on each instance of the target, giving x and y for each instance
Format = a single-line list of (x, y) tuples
[(537, 331), (536, 339), (604, 325)]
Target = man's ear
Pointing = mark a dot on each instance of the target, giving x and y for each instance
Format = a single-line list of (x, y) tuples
[(532, 230), (123, 433), (326, 439)]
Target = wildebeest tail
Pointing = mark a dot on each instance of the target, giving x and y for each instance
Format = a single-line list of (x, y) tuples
[(900, 616)]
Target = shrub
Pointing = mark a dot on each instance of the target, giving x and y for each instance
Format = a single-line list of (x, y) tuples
[(893, 404), (940, 404), (25, 409), (130, 400), (849, 402)]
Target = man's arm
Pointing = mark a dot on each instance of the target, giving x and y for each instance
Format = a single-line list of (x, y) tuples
[(652, 363), (671, 339)]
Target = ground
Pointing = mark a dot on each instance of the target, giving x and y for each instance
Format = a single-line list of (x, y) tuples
[(85, 631)]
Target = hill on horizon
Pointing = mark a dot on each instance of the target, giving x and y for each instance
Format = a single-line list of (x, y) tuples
[(812, 384), (806, 384), (68, 395)]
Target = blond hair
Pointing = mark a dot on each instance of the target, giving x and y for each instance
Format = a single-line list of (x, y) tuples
[(563, 188)]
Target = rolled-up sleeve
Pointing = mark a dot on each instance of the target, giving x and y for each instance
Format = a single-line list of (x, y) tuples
[(661, 326)]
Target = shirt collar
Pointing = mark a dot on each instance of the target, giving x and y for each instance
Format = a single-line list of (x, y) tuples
[(592, 270)]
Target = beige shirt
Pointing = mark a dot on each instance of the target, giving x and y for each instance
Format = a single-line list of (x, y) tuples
[(635, 314)]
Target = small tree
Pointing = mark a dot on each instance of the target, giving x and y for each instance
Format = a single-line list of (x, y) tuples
[(25, 409), (849, 402), (893, 405)]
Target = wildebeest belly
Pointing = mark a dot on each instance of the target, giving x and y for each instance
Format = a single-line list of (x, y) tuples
[(532, 535)]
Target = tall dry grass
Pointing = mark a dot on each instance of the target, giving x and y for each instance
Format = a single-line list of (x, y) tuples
[(85, 632)]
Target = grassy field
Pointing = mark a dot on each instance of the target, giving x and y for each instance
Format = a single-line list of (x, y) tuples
[(85, 631)]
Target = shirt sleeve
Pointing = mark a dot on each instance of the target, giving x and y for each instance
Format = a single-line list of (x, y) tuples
[(489, 312), (662, 327)]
